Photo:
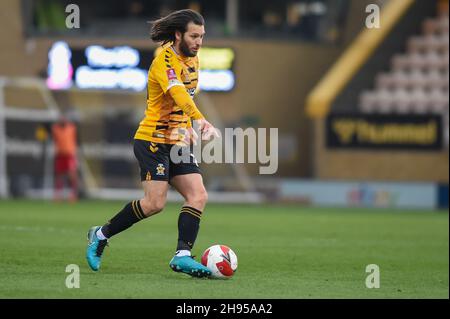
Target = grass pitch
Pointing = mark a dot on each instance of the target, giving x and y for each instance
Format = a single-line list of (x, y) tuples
[(283, 252)]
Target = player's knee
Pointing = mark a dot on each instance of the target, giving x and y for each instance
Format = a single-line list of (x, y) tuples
[(152, 206), (199, 198), (204, 196)]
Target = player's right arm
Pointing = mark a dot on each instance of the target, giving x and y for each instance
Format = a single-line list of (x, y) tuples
[(168, 75)]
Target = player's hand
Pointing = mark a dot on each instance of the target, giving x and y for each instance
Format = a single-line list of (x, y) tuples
[(184, 136), (207, 130), (191, 136)]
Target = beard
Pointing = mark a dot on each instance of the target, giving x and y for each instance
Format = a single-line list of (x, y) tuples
[(184, 48)]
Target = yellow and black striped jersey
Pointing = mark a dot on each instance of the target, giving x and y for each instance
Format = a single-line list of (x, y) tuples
[(169, 110)]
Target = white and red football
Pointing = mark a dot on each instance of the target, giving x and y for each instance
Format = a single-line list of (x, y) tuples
[(221, 260)]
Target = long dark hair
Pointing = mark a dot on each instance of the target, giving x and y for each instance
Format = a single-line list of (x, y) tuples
[(163, 30)]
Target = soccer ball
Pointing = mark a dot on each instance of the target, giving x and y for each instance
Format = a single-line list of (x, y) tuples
[(221, 260)]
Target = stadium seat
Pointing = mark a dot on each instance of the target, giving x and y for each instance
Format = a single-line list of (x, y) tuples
[(438, 101), (434, 79), (433, 26), (419, 101), (417, 79), (384, 101), (368, 102), (401, 101), (423, 44)]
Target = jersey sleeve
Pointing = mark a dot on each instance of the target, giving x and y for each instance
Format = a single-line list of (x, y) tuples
[(167, 74), (185, 102)]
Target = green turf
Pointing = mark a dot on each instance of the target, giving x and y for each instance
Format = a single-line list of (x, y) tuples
[(283, 252)]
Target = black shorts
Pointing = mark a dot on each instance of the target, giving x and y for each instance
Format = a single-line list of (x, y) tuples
[(156, 164)]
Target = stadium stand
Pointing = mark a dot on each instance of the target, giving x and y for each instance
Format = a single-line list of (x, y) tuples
[(418, 81)]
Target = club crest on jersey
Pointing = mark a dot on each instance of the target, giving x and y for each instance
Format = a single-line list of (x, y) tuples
[(160, 170), (191, 92), (171, 75)]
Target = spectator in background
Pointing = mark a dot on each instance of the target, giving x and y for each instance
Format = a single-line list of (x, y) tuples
[(64, 134)]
